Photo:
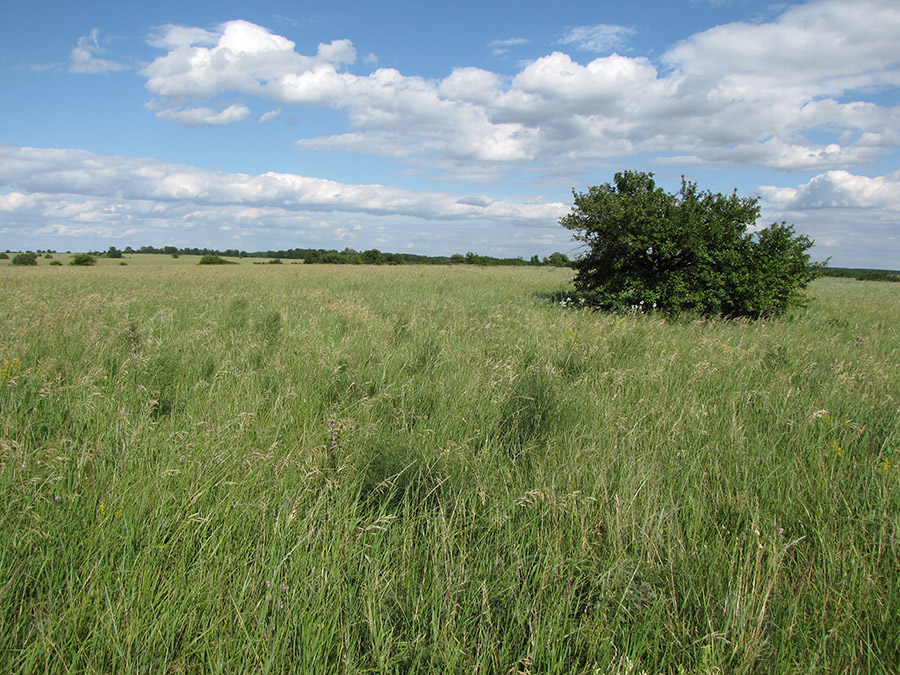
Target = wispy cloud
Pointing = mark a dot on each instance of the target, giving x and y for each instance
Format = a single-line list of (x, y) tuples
[(503, 46), (205, 117), (44, 67), (269, 116), (599, 38), (85, 57), (172, 36)]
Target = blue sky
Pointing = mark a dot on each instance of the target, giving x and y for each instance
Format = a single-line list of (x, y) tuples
[(437, 129)]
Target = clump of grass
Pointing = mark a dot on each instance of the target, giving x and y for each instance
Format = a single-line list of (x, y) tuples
[(528, 411)]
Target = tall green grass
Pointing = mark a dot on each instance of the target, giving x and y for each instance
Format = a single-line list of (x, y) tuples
[(418, 469)]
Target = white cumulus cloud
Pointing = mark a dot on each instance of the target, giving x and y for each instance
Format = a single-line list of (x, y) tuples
[(855, 218), (839, 189), (239, 57), (793, 93)]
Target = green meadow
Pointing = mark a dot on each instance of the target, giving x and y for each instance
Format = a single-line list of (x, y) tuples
[(422, 469)]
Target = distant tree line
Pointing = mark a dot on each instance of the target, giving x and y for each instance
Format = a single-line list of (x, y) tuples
[(375, 257), (861, 274), (348, 256)]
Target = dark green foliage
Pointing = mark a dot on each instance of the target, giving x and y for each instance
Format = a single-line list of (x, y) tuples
[(557, 259), (24, 259), (372, 257), (471, 258), (4, 256), (55, 263), (113, 252), (687, 252), (83, 259), (215, 260)]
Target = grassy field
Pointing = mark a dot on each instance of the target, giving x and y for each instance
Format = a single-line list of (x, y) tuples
[(437, 469)]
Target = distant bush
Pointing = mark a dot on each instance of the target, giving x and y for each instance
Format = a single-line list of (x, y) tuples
[(48, 256), (25, 259), (276, 261), (4, 256), (215, 260), (55, 263), (113, 252), (83, 259)]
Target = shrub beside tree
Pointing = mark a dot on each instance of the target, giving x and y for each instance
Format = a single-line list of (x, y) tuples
[(692, 251)]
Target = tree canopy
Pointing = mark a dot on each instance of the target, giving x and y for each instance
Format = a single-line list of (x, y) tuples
[(692, 251)]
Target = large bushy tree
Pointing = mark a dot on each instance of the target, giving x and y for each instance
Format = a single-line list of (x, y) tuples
[(693, 251)]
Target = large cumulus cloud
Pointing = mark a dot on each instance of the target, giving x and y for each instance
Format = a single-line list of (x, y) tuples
[(792, 94), (854, 218)]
